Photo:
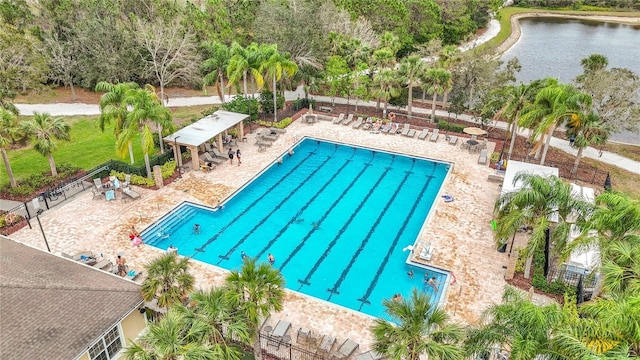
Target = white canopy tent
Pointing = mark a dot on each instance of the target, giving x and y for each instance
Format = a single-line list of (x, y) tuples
[(516, 167), (203, 130)]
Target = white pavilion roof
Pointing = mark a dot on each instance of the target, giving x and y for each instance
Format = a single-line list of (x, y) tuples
[(206, 128)]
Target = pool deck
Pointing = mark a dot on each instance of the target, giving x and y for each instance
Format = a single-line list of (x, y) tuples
[(459, 231)]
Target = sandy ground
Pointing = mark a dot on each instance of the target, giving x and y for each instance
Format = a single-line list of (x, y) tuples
[(460, 231)]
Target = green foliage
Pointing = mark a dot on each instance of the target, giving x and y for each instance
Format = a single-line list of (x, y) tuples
[(8, 219), (495, 157), (280, 124), (243, 105), (29, 185), (443, 125), (304, 103), (266, 101)]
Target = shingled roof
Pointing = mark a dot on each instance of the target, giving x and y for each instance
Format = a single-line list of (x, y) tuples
[(55, 308)]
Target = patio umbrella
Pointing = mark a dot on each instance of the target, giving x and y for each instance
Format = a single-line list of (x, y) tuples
[(607, 182), (580, 291), (474, 131)]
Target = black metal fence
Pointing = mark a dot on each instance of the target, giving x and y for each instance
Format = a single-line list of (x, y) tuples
[(585, 173), (276, 348)]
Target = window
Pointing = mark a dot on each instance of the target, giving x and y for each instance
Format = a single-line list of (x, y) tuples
[(107, 347)]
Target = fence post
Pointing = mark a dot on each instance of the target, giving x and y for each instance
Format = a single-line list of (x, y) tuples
[(26, 208), (45, 195)]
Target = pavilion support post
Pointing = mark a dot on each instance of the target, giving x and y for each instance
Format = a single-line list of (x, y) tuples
[(219, 141), (240, 130), (195, 164), (176, 154)]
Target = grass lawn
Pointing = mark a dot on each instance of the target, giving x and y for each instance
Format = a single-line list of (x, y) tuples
[(88, 148), (504, 16)]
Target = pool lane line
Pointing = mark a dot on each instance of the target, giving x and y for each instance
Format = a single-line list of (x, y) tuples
[(333, 242), (275, 208), (363, 243), (313, 229), (248, 207), (365, 298), (303, 208)]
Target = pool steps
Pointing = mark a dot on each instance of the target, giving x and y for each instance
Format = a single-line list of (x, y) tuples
[(163, 228)]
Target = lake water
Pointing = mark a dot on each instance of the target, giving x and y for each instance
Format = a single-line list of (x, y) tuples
[(552, 47)]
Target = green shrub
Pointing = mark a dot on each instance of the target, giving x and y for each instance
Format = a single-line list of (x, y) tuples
[(443, 125), (168, 169), (243, 105), (280, 124), (495, 156), (303, 103), (15, 218)]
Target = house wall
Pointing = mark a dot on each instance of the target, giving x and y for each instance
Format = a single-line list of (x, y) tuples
[(132, 325)]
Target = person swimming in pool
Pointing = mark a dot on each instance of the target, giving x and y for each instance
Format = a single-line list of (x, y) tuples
[(196, 229), (272, 260)]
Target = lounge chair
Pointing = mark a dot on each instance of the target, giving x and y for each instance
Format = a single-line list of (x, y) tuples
[(435, 135), (348, 120), (369, 355), (267, 137), (326, 344), (110, 195), (208, 148), (423, 135), (216, 153), (483, 157), (130, 193), (358, 123), (281, 329), (133, 275), (347, 349), (411, 133), (483, 145), (339, 119), (262, 143), (277, 130), (208, 158), (453, 140), (96, 193), (104, 264), (405, 129)]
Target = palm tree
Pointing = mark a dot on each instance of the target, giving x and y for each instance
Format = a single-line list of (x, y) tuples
[(438, 81), (258, 290), (360, 82), (587, 130), (168, 280), (416, 329), (538, 200), (113, 108), (614, 227), (177, 335), (613, 324), (554, 105), (592, 64), (276, 65), (412, 69), (43, 130), (10, 131), (215, 66), (145, 107), (514, 99), (217, 308), (448, 59), (519, 325), (386, 83), (245, 62)]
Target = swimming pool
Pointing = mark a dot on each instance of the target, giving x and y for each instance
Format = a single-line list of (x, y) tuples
[(335, 217)]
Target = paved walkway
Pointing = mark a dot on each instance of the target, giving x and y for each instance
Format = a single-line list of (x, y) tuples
[(60, 109)]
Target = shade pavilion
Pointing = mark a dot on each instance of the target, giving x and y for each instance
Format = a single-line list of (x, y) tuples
[(211, 126)]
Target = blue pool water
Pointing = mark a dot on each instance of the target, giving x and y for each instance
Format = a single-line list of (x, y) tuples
[(335, 217)]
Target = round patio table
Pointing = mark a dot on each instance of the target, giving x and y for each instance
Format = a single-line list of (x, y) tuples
[(472, 142), (474, 131)]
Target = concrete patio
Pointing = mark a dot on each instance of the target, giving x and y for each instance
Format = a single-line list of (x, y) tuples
[(460, 231)]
